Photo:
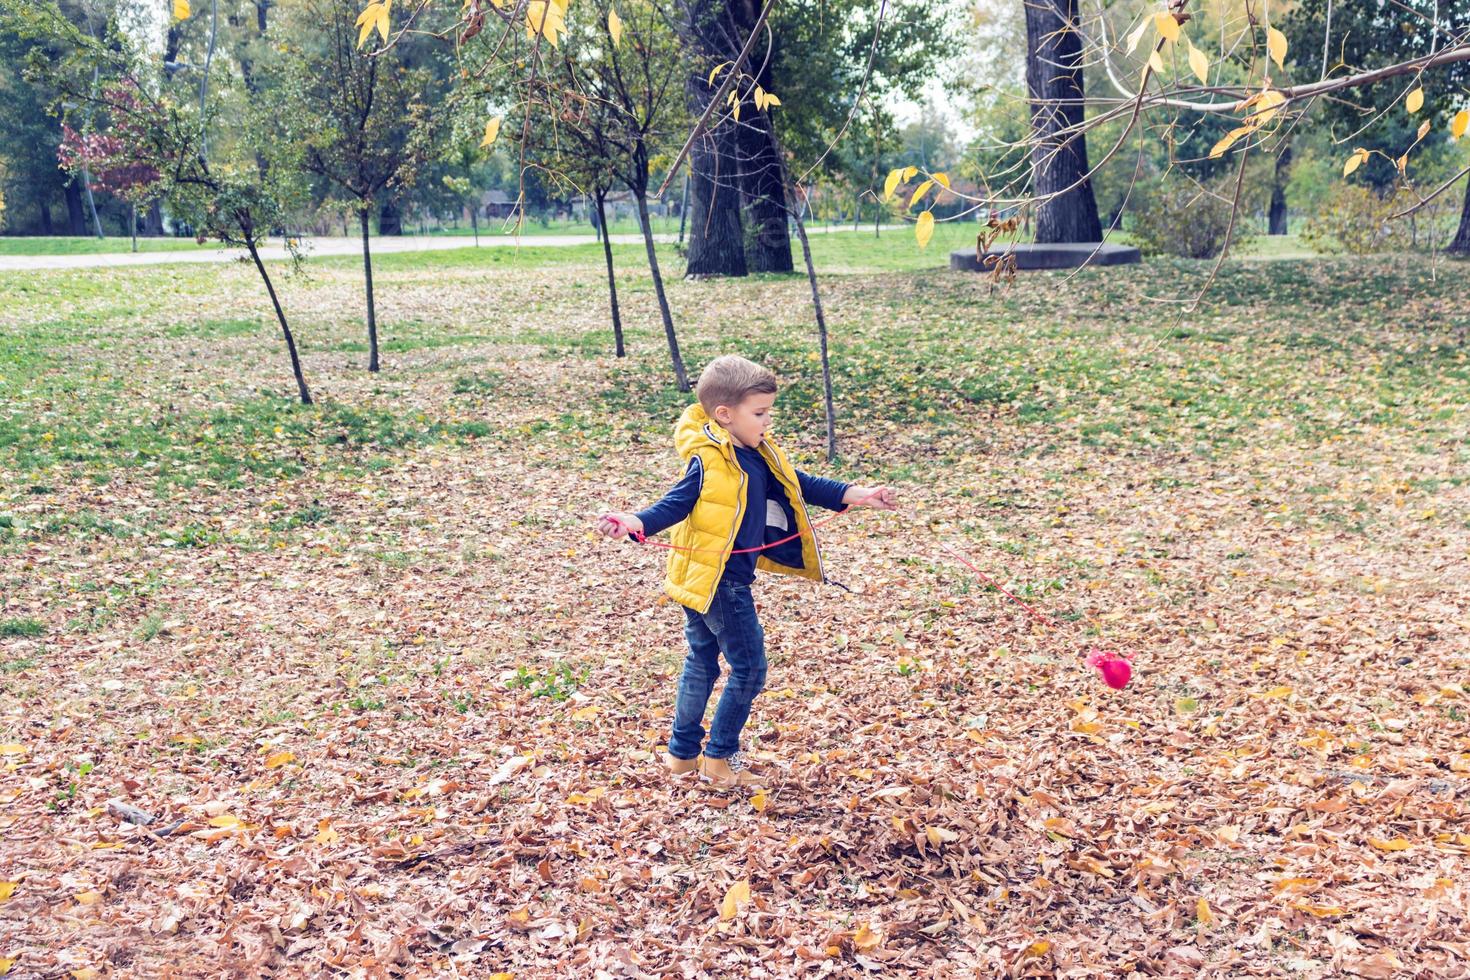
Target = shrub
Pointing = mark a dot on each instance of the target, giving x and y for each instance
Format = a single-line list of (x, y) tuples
[(1359, 221), (1179, 217)]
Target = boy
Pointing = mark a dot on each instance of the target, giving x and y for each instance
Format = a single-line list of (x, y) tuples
[(738, 493)]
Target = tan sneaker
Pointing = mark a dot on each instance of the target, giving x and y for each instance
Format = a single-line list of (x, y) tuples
[(727, 773), (680, 767)]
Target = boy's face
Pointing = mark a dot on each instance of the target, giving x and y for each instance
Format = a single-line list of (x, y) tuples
[(748, 421)]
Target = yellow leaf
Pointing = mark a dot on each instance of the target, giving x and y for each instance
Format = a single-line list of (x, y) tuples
[(924, 228), (181, 9), (1228, 140), (1039, 948), (1199, 64), (1276, 45), (1155, 62), (1203, 914), (12, 748), (1397, 844), (1137, 35), (615, 26), (895, 177), (6, 962), (85, 973), (1167, 26), (1355, 161), (759, 97), (737, 896), (715, 71), (1414, 101), (582, 799), (1460, 123), (1265, 105), (225, 820), (373, 15), (759, 801), (1320, 911), (7, 888), (771, 100), (492, 130), (89, 897), (545, 19), (909, 172), (922, 190), (942, 179), (865, 939), (502, 976), (280, 759), (1276, 693), (324, 833), (586, 714), (1423, 132), (938, 835)]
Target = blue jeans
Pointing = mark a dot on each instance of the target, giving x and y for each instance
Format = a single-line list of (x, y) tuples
[(730, 627)]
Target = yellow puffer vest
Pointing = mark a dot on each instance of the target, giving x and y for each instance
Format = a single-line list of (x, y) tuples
[(708, 533)]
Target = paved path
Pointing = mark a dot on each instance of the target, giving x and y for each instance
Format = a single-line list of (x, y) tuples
[(325, 246)]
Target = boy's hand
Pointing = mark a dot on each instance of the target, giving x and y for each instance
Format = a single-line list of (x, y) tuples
[(619, 525), (880, 498)]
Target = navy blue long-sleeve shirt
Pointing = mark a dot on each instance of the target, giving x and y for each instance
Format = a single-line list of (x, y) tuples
[(760, 485)]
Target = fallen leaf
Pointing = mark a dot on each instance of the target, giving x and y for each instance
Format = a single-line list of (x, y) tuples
[(735, 898)]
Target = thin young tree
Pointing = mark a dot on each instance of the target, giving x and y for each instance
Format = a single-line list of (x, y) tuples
[(363, 123)]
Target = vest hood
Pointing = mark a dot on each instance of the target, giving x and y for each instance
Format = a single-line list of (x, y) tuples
[(695, 430)]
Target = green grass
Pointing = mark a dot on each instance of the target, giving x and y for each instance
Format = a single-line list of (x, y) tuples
[(21, 627), (41, 245)]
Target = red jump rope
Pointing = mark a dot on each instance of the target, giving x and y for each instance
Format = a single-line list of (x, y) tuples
[(1114, 668)]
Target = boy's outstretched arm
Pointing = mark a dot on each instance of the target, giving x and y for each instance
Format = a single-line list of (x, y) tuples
[(836, 495), (670, 510)]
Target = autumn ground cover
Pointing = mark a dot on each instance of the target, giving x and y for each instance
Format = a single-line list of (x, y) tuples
[(396, 712)]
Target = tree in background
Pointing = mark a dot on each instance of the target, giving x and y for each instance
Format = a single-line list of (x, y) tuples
[(828, 64), (1346, 38), (209, 173), (618, 84), (363, 123), (1054, 80)]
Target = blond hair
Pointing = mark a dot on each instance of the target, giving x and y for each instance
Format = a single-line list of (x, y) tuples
[(728, 380)]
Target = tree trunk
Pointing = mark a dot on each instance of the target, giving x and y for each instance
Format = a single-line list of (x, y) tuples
[(475, 223), (762, 185), (133, 224), (301, 388), (641, 193), (153, 221), (612, 283), (1058, 163), (76, 219), (390, 219), (44, 206), (716, 244), (767, 241), (1276, 217), (1460, 245), (367, 273)]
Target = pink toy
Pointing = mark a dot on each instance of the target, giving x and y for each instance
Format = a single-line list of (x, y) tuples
[(1115, 669)]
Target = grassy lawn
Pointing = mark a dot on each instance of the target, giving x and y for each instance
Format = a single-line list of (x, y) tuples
[(41, 245), (401, 707)]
